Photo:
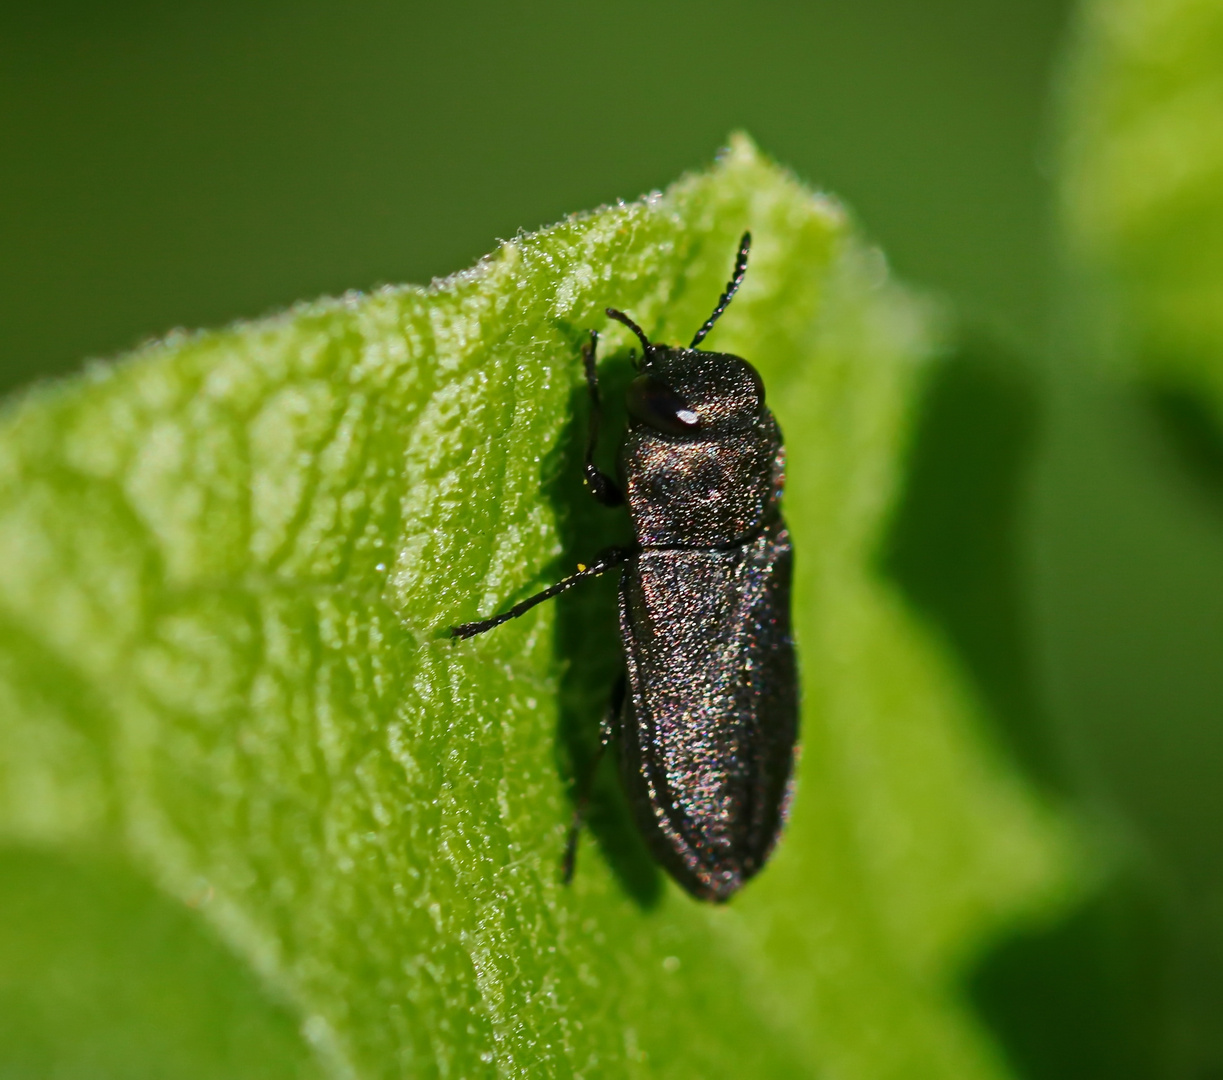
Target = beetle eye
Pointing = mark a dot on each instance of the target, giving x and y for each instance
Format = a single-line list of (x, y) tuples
[(654, 403)]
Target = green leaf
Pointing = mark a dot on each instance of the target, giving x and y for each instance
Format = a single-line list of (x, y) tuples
[(1144, 186), (224, 563)]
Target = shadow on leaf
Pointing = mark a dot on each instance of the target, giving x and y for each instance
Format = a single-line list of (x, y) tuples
[(588, 634), (1193, 434), (1084, 999), (1081, 998), (953, 546)]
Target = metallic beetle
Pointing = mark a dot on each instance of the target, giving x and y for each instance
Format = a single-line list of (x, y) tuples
[(706, 718)]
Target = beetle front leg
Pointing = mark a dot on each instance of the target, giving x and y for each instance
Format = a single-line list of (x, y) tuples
[(609, 727), (601, 486)]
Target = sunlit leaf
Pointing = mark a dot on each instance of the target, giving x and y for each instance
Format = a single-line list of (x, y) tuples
[(224, 563)]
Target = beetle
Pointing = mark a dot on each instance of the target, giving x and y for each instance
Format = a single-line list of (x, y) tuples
[(706, 713)]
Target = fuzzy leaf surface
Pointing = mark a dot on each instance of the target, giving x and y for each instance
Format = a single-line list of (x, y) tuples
[(229, 721)]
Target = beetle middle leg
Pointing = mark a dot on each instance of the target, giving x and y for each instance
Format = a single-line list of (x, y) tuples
[(604, 561), (609, 727), (601, 486)]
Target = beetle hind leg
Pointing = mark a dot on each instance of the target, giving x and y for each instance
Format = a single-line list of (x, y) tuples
[(609, 727)]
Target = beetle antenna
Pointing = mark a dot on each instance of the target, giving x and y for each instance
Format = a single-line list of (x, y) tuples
[(620, 317), (732, 287)]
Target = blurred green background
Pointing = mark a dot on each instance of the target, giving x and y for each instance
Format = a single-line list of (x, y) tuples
[(191, 165)]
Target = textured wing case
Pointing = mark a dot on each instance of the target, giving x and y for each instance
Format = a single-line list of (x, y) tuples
[(711, 718)]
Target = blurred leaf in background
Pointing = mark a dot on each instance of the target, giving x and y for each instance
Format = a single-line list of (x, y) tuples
[(188, 164), (1129, 522), (1144, 186)]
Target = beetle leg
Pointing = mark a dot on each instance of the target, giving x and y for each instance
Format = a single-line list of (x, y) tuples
[(604, 561), (608, 726), (601, 486)]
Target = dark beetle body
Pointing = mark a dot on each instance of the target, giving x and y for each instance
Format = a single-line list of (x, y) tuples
[(708, 724), (710, 720)]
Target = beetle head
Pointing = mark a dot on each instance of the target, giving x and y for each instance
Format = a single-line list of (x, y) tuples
[(692, 392)]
